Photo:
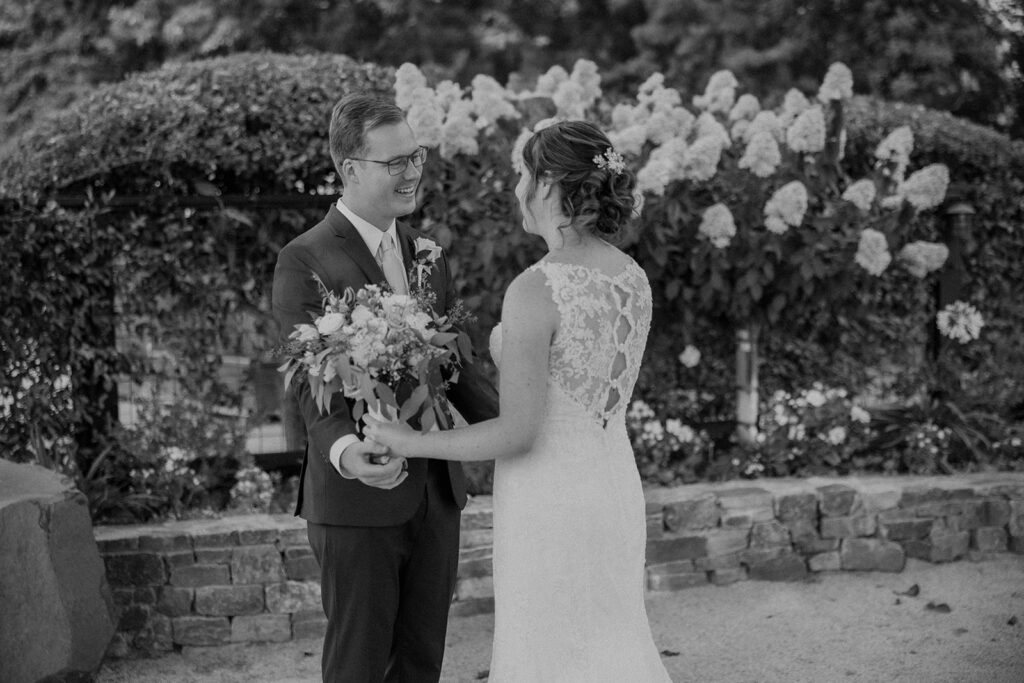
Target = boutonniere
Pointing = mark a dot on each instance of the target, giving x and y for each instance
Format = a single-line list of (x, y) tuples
[(426, 254)]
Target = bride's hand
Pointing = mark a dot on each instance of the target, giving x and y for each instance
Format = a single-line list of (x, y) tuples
[(397, 436)]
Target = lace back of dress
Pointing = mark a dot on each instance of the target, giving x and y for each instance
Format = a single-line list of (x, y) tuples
[(603, 326)]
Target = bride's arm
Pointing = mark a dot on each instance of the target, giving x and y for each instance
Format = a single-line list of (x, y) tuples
[(528, 322)]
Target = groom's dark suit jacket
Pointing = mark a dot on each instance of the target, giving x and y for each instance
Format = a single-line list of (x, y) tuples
[(334, 250)]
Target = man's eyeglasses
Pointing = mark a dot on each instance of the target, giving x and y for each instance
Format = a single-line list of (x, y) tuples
[(398, 166)]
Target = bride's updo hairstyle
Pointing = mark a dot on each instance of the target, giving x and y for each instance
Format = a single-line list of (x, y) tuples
[(597, 188)]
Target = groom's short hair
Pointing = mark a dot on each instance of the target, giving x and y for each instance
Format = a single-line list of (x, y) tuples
[(353, 116)]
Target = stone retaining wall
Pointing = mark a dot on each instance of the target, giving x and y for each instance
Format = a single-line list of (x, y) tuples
[(253, 578)]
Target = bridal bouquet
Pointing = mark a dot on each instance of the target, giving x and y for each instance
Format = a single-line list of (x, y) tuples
[(368, 343)]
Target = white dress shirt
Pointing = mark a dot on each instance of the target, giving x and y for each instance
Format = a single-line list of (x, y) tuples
[(372, 236)]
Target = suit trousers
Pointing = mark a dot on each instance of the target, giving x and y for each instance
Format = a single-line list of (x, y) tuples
[(386, 591)]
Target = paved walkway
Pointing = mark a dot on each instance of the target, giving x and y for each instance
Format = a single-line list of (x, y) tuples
[(839, 627)]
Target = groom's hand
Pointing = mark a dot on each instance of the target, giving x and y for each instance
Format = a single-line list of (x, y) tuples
[(364, 461)]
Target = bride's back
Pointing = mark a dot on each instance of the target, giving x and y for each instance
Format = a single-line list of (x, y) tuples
[(604, 309)]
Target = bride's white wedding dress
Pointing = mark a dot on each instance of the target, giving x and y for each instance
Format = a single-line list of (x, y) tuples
[(569, 516)]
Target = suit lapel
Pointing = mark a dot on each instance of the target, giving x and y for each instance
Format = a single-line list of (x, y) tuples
[(354, 246)]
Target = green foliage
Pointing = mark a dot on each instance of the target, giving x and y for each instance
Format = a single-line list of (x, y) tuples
[(187, 286), (950, 56), (239, 124)]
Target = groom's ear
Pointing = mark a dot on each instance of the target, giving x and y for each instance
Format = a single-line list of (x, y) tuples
[(348, 171)]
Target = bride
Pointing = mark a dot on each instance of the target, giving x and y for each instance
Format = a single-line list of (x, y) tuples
[(569, 520)]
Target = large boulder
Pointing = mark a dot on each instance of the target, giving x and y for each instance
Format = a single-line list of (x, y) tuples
[(58, 614)]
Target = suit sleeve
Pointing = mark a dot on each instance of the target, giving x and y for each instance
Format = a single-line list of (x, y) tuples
[(296, 299), (474, 395)]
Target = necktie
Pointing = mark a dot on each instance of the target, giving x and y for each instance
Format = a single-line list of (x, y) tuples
[(391, 264)]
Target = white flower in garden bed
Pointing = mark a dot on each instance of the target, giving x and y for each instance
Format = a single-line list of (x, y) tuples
[(922, 257), (873, 252), (960, 321), (896, 149), (746, 107), (690, 357), (786, 207), (861, 194), (837, 84), (720, 93), (807, 134), (858, 414), (702, 157), (926, 188), (762, 155), (718, 225), (793, 104)]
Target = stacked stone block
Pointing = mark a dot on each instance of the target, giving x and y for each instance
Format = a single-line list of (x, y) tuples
[(254, 578), (782, 530), (215, 582)]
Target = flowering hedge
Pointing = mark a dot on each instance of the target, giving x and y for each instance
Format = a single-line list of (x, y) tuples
[(195, 283)]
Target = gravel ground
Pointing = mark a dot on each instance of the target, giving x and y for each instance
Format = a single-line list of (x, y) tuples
[(838, 627)]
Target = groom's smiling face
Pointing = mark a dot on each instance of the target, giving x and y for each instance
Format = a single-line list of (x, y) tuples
[(370, 190)]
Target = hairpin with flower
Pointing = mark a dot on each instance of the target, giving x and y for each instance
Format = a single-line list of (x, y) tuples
[(611, 160)]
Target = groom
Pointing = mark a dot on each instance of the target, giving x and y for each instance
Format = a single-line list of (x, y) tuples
[(386, 536)]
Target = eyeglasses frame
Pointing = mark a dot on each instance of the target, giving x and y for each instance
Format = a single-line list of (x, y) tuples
[(421, 150)]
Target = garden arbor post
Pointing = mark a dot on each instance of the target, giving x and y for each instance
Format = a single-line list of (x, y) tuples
[(955, 231), (746, 383)]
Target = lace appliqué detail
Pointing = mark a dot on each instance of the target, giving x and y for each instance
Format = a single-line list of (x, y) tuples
[(603, 325)]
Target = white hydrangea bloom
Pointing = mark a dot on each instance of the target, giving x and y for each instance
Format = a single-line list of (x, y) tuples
[(746, 107), (892, 202), (702, 157), (739, 130), (960, 321), (788, 204), (793, 104), (896, 148), (490, 101), (653, 82), (547, 83), (673, 151), (458, 134), (623, 116), (708, 126), (768, 122), (408, 78), (922, 257), (569, 99), (690, 356), (926, 188), (684, 433), (425, 117), (639, 410), (836, 435), (838, 83), (663, 99), (629, 140), (654, 176), (585, 73), (448, 92), (807, 134), (518, 164), (720, 93), (873, 252), (858, 414), (861, 194), (762, 155), (665, 124), (718, 225), (775, 224)]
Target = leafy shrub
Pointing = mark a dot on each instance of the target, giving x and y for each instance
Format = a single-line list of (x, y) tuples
[(88, 294)]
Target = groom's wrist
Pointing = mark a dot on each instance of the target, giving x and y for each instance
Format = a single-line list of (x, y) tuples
[(337, 448)]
